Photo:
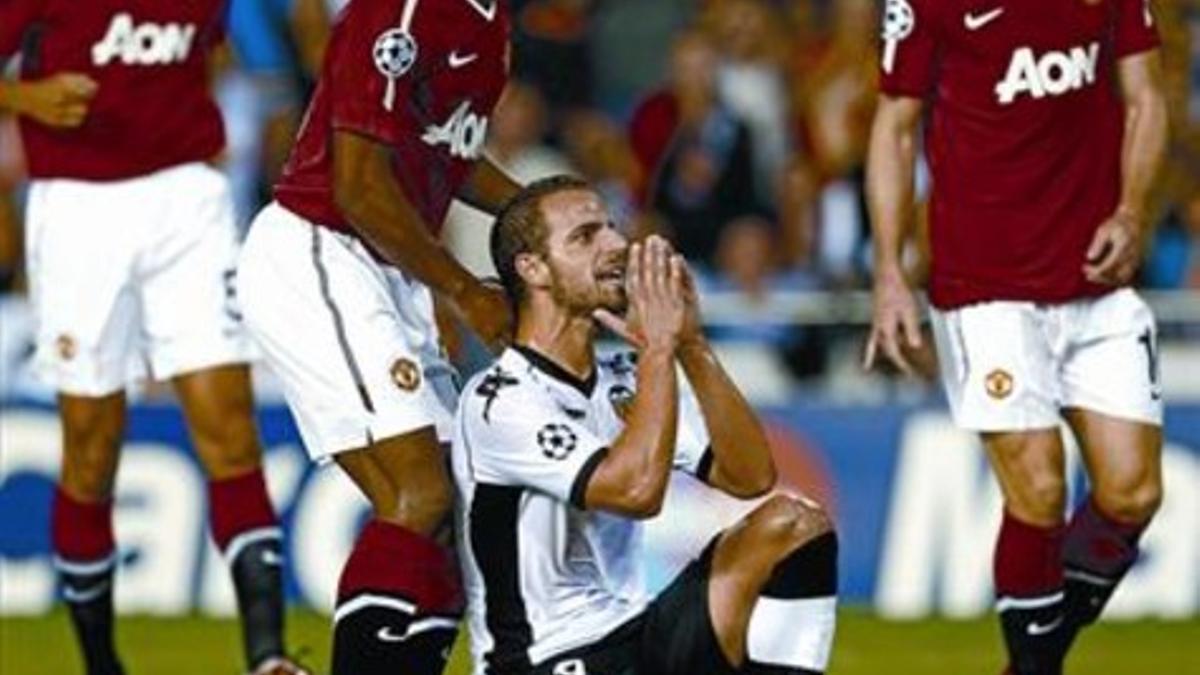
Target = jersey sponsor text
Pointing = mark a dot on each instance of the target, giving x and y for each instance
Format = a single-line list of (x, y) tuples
[(144, 44), (1052, 74)]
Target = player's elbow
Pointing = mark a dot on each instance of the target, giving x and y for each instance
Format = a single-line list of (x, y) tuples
[(754, 485), (644, 500)]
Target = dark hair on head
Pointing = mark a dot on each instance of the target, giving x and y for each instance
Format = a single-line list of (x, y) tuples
[(520, 227)]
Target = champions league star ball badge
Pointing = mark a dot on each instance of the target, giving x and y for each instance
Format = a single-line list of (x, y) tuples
[(394, 53), (556, 440)]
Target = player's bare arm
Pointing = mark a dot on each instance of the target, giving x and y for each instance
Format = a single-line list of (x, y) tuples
[(1116, 250), (742, 464), (367, 193), (60, 100), (488, 188), (890, 166), (632, 478)]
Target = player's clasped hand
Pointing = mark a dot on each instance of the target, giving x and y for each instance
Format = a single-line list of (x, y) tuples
[(656, 281), (895, 324), (60, 100), (1115, 251)]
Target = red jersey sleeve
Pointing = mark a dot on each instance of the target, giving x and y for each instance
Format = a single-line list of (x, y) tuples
[(1136, 28), (372, 69), (15, 17), (909, 47)]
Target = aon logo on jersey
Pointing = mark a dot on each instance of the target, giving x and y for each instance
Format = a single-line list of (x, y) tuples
[(146, 44), (464, 132), (1051, 74)]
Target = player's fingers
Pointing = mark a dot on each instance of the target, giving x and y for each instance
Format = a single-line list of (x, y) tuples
[(633, 272), (676, 273), (79, 86), (911, 326), (895, 354), (616, 324), (868, 361), (1101, 242)]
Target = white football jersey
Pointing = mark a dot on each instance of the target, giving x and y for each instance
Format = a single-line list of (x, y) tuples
[(542, 574)]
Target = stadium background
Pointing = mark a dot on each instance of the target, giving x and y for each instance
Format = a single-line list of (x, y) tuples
[(767, 203)]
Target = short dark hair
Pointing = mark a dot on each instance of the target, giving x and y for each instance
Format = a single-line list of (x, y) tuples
[(520, 227)]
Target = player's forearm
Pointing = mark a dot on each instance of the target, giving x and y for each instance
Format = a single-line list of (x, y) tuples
[(1143, 148), (369, 197), (633, 478), (488, 188), (742, 464), (890, 168)]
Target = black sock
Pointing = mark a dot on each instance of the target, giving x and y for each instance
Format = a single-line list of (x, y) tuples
[(257, 571), (87, 590), (791, 629)]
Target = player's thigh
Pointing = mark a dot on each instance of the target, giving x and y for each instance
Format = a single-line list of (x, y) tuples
[(82, 243), (1112, 364), (679, 635), (1031, 469), (186, 270), (998, 367), (324, 317), (1124, 463)]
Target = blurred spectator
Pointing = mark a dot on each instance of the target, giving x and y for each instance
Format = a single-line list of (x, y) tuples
[(627, 42), (747, 264), (515, 144), (598, 147), (277, 45), (694, 152), (834, 100), (550, 48), (751, 83)]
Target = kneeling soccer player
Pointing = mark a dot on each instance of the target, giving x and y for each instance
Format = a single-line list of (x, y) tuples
[(559, 456)]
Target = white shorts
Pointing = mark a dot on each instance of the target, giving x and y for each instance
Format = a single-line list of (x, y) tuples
[(132, 275), (1012, 366), (352, 341)]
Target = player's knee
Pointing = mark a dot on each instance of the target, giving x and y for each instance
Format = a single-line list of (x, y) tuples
[(789, 522), (422, 506), (89, 473), (809, 571), (1135, 503), (1039, 498), (229, 448)]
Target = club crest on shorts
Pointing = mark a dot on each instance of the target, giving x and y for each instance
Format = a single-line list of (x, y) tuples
[(556, 440), (621, 398), (65, 346), (999, 384), (406, 374), (394, 54)]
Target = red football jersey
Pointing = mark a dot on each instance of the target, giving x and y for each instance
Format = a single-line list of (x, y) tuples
[(1023, 136), (152, 109), (420, 76)]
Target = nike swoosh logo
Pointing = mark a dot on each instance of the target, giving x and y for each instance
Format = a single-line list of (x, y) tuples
[(386, 634), (977, 21), (1035, 628), (86, 595), (459, 60)]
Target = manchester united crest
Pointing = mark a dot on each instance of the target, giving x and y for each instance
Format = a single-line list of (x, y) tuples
[(999, 384), (406, 374)]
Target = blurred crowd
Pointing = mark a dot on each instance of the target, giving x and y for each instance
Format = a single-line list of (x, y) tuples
[(738, 128)]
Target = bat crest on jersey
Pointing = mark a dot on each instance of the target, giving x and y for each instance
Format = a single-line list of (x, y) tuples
[(143, 44), (394, 53), (464, 132), (1051, 74)]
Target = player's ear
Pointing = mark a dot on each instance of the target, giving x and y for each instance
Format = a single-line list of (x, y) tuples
[(533, 270)]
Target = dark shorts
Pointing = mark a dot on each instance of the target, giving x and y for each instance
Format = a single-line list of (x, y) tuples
[(674, 636)]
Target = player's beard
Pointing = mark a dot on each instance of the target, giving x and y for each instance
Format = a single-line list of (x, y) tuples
[(581, 296)]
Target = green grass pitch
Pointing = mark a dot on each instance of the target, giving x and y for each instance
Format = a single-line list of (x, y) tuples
[(865, 646)]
